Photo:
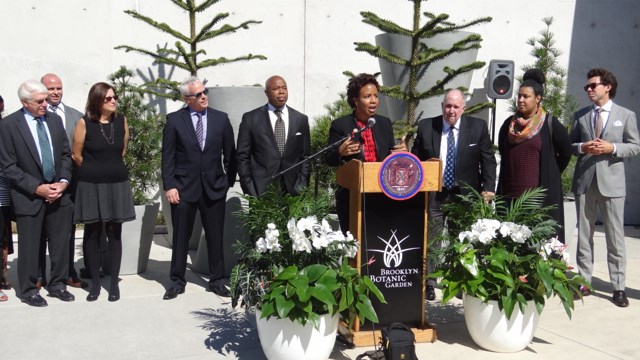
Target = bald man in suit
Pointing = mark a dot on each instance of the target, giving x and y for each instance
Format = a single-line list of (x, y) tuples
[(259, 156)]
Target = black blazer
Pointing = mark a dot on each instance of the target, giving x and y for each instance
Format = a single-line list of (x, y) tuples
[(258, 157), (20, 161), (475, 159), (189, 169), (382, 135)]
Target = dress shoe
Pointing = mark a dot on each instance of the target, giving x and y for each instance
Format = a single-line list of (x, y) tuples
[(459, 295), (584, 291), (35, 300), (220, 290), (92, 297), (62, 294), (114, 293), (431, 293), (77, 283), (620, 298), (172, 293)]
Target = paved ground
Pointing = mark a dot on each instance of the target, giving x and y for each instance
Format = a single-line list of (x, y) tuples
[(201, 325)]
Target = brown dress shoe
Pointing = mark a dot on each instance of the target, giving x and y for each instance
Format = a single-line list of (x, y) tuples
[(620, 298), (76, 283)]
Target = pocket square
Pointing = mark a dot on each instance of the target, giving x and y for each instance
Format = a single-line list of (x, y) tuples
[(470, 145), (617, 123), (298, 133)]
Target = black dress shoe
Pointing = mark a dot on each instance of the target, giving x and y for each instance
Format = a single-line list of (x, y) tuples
[(431, 293), (172, 293), (62, 294), (35, 300), (92, 297), (114, 293), (620, 298)]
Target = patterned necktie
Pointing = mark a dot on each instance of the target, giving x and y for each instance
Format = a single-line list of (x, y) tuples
[(48, 169), (54, 109), (449, 170), (279, 131), (598, 123), (200, 131)]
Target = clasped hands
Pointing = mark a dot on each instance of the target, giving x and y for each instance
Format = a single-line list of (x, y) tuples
[(51, 192), (597, 147), (353, 146)]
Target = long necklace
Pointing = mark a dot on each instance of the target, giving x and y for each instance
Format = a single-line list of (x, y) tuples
[(110, 139)]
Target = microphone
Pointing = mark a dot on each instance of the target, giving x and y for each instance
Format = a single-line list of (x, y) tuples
[(370, 124)]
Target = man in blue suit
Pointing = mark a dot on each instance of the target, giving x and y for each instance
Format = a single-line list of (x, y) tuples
[(198, 167)]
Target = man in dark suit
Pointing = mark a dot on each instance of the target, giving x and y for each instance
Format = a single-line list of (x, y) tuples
[(35, 157), (603, 135), (70, 117), (1, 106), (464, 146), (260, 156), (198, 167)]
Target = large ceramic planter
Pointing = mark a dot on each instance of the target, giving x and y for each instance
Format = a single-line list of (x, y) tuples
[(137, 237), (490, 329), (288, 340)]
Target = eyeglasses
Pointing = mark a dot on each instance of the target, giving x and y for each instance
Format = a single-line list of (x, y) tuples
[(203, 92), (39, 102), (591, 86), (109, 98)]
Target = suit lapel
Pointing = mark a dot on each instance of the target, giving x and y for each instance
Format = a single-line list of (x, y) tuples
[(188, 125), (613, 115), (268, 129), (436, 135), (25, 132), (463, 138), (56, 145), (294, 123)]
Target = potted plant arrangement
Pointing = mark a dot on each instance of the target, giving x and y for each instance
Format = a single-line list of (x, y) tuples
[(294, 270), (506, 261)]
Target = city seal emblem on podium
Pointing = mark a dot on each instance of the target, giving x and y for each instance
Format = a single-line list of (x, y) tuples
[(400, 175)]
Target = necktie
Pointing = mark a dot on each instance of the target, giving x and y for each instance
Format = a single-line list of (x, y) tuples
[(48, 169), (598, 123), (54, 109), (450, 168), (279, 131), (200, 131)]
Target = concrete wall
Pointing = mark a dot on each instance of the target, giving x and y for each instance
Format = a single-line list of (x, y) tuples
[(309, 42)]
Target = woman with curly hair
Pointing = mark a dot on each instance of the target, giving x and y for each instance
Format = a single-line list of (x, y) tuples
[(534, 148)]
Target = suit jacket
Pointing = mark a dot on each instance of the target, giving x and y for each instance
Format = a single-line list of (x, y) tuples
[(475, 160), (382, 135), (258, 156), (190, 170), (622, 130), (21, 164), (71, 117)]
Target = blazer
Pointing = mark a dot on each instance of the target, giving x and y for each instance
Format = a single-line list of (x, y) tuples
[(475, 159), (382, 135), (195, 172), (258, 157), (20, 160), (621, 130), (71, 117)]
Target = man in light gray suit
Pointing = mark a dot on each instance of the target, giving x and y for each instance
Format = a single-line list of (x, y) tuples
[(602, 136), (70, 117)]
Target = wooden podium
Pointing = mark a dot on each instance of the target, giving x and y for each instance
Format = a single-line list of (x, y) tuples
[(393, 233)]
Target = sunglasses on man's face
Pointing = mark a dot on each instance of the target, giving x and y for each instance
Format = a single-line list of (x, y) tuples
[(591, 86), (203, 92)]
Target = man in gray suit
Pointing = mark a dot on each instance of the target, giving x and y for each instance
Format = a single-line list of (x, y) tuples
[(70, 117), (36, 159), (260, 155), (602, 136)]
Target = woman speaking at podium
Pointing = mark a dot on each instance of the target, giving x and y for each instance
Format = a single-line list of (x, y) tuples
[(372, 135)]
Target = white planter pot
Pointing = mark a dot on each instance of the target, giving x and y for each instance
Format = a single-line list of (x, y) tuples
[(288, 340), (490, 329)]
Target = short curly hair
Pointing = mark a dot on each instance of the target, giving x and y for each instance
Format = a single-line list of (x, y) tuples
[(606, 78), (358, 82)]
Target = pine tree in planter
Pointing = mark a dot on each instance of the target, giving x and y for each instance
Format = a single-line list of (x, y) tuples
[(186, 58), (422, 56)]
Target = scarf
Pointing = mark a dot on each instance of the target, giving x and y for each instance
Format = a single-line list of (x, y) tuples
[(521, 129)]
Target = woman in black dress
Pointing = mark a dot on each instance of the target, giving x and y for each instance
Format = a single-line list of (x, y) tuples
[(103, 195)]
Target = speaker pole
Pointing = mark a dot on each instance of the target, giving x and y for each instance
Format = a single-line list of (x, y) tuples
[(493, 122)]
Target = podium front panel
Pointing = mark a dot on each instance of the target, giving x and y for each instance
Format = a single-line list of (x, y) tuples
[(393, 234)]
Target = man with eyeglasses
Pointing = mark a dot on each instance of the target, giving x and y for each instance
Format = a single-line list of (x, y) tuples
[(272, 138), (35, 157), (70, 117), (198, 167), (603, 134)]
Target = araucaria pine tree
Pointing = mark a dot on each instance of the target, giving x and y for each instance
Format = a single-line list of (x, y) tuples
[(186, 57), (422, 56)]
